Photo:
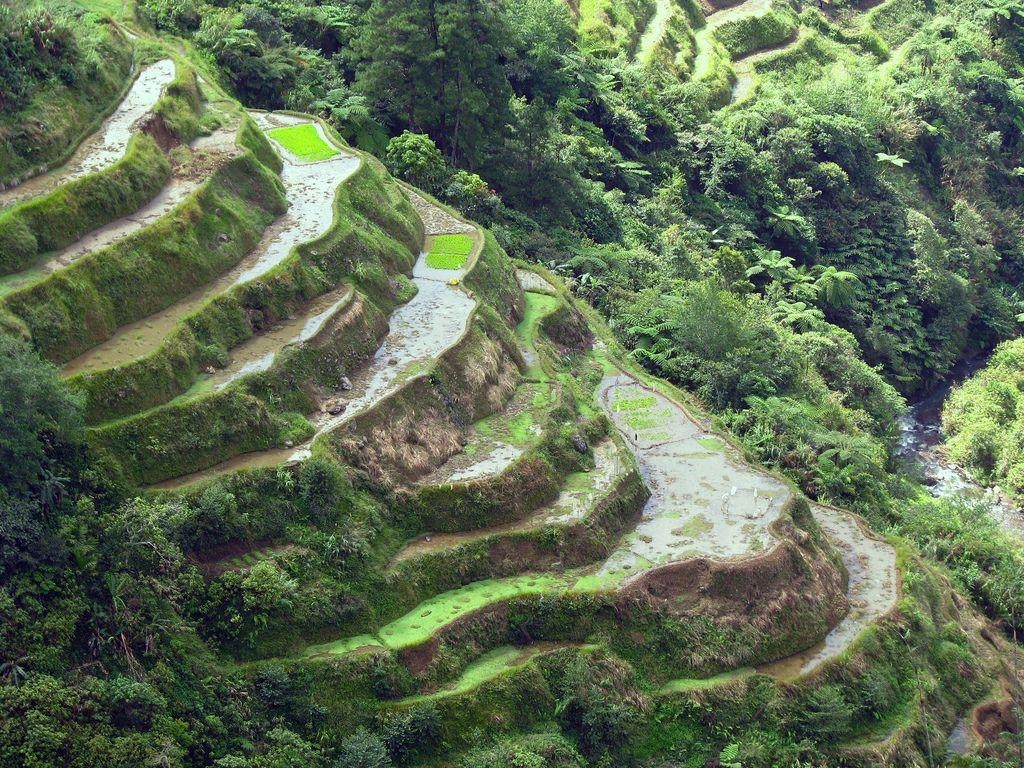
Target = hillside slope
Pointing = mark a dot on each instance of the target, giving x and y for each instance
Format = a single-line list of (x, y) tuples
[(304, 468)]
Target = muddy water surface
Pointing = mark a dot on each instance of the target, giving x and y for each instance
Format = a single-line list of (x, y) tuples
[(704, 500), (579, 496), (258, 353), (873, 589)]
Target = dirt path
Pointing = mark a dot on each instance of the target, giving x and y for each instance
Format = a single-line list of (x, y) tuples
[(704, 36), (744, 69), (108, 144), (655, 31), (310, 190)]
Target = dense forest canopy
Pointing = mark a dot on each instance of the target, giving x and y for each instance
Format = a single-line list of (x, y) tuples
[(803, 261)]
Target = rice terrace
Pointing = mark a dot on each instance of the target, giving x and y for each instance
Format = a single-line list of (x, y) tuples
[(509, 384)]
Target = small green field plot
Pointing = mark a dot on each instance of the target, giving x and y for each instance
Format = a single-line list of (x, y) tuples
[(249, 559), (686, 685), (536, 308), (428, 617), (494, 664), (303, 141), (520, 423), (419, 624), (487, 667), (712, 443), (449, 251), (113, 8)]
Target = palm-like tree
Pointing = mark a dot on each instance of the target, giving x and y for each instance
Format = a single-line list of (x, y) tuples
[(13, 671), (999, 12), (778, 267), (785, 222), (803, 286), (837, 287), (798, 315)]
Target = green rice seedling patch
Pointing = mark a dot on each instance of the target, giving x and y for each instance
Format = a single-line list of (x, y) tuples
[(712, 443), (418, 625), (345, 645), (449, 251), (304, 142), (640, 421), (485, 668), (695, 527), (537, 305), (440, 260), (520, 428), (458, 244), (544, 395), (687, 685), (624, 403)]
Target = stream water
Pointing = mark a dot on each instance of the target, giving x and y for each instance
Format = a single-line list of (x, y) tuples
[(921, 448)]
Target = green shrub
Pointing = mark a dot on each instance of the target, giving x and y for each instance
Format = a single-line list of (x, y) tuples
[(363, 750), (180, 105), (198, 434), (51, 100), (757, 32)]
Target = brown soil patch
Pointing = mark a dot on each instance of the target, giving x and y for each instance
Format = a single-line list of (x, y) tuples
[(791, 594), (407, 436), (156, 126), (993, 719)]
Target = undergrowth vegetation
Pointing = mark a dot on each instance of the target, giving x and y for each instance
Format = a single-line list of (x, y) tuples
[(63, 69), (985, 420)]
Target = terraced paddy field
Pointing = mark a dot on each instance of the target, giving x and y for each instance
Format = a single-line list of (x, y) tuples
[(419, 332), (309, 189), (705, 502), (185, 180), (108, 144), (366, 402)]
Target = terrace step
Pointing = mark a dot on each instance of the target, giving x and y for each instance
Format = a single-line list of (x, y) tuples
[(206, 151), (421, 331), (309, 188), (105, 147), (581, 494)]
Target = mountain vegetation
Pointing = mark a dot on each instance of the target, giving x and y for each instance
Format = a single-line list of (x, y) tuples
[(327, 461)]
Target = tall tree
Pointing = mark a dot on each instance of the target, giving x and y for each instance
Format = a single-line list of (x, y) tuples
[(437, 67)]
